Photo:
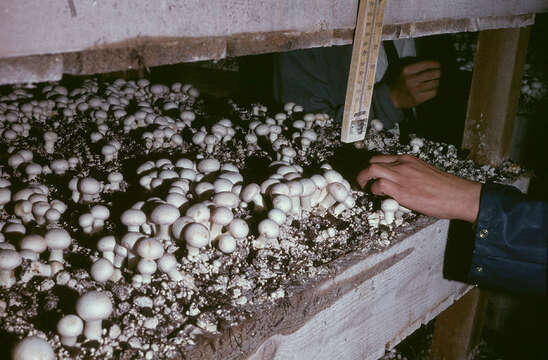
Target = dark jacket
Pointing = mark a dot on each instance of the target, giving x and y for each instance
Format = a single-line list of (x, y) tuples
[(510, 242)]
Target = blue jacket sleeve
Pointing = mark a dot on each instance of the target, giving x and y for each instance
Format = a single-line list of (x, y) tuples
[(510, 242)]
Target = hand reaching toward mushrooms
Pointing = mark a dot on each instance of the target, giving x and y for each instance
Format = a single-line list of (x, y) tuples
[(421, 187), (415, 84)]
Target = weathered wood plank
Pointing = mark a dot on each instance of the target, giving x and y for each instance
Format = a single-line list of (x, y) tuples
[(496, 83), (379, 310), (458, 328), (27, 27)]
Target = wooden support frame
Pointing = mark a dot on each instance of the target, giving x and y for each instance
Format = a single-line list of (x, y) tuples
[(496, 84)]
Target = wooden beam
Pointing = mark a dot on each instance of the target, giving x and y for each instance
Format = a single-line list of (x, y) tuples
[(458, 329), (496, 83)]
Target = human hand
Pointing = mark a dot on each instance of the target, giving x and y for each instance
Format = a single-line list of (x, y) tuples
[(416, 83), (421, 187)]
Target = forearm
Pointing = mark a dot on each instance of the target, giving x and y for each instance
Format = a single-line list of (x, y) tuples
[(510, 242)]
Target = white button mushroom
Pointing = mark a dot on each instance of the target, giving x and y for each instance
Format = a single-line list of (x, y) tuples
[(416, 144), (252, 193), (163, 216), (9, 261), (33, 348), (50, 138), (100, 213), (57, 240), (133, 219), (336, 193), (196, 236), (106, 246), (269, 232), (238, 228), (389, 208), (89, 188), (102, 270), (93, 307), (69, 328), (227, 243), (168, 265), (220, 217)]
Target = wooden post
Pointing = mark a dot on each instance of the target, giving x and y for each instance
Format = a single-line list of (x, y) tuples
[(457, 330), (492, 107), (496, 84)]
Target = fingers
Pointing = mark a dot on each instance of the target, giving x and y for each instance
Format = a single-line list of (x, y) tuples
[(425, 96), (420, 67), (424, 76), (374, 171), (429, 85), (384, 159)]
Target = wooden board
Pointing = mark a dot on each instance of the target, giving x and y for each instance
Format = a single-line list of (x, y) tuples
[(383, 299), (496, 85)]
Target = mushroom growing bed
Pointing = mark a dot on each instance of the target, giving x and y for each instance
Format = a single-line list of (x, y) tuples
[(144, 221)]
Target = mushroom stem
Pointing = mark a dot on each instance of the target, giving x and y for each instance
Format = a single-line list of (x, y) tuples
[(93, 329)]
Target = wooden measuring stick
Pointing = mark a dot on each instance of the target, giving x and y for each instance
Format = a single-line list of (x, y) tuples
[(361, 79)]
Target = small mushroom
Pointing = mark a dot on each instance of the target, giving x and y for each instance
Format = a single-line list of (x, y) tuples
[(196, 236), (33, 348), (389, 208), (69, 328), (93, 307), (57, 240), (9, 261)]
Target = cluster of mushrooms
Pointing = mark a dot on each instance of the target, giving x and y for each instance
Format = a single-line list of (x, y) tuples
[(200, 203)]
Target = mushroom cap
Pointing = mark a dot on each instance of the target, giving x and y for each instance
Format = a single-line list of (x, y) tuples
[(94, 305), (133, 217), (101, 270), (295, 188), (100, 212), (9, 259), (199, 212), (416, 142), (269, 228), (390, 205), (222, 185), (207, 166), (232, 176), (85, 220), (332, 176), (282, 202), (89, 186), (58, 239), (238, 228), (308, 186), (33, 348), (288, 151), (222, 215), (319, 181), (338, 191), (277, 215), (34, 242), (106, 243), (70, 325), (167, 262), (149, 248), (128, 240), (203, 187), (196, 235), (227, 244), (227, 199), (249, 192), (179, 224), (279, 189), (164, 214)]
